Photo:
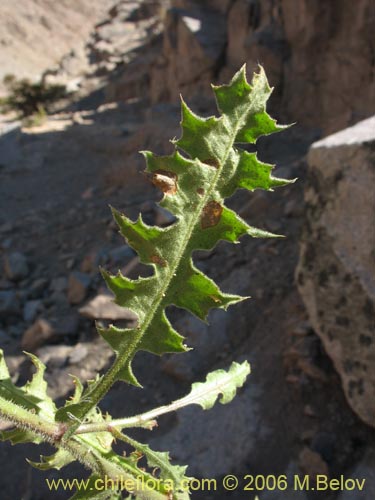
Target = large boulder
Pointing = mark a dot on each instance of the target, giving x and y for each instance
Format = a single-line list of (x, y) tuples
[(336, 266), (315, 54), (330, 59), (255, 36)]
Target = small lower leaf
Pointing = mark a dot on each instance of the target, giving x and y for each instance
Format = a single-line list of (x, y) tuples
[(219, 384), (56, 461)]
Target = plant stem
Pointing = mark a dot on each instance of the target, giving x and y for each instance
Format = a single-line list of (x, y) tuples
[(25, 419), (198, 394), (79, 449)]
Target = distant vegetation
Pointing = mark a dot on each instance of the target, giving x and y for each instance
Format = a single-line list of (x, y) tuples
[(31, 101)]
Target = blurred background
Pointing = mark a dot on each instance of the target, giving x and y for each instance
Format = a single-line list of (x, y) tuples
[(87, 84)]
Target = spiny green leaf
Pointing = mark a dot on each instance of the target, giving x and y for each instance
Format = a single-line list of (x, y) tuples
[(161, 337), (200, 136), (32, 396), (78, 389), (176, 175), (144, 239), (37, 388), (250, 173), (199, 293), (161, 460), (194, 185), (166, 479), (56, 461), (133, 293), (233, 102), (18, 436), (206, 167)]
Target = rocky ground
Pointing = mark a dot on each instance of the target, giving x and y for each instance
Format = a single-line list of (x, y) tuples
[(57, 181), (34, 38)]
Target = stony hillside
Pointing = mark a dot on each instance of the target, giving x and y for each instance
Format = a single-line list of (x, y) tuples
[(35, 34), (317, 54)]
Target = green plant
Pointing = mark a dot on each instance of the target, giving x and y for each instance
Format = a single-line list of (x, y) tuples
[(28, 98), (195, 183), (36, 119)]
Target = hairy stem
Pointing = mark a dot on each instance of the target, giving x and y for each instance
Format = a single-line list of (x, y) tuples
[(87, 455), (200, 392), (25, 419)]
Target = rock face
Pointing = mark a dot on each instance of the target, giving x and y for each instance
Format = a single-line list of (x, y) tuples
[(316, 76), (316, 54), (298, 43), (193, 43), (336, 267)]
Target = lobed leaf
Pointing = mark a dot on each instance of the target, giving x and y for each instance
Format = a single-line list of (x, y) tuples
[(206, 167), (194, 185), (219, 384), (32, 396)]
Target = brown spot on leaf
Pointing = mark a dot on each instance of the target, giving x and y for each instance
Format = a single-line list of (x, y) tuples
[(213, 162), (156, 259), (164, 180), (211, 214), (200, 191)]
